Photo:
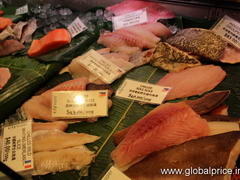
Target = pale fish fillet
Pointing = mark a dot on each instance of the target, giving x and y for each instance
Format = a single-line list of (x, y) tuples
[(142, 57), (7, 32), (10, 46), (18, 29), (157, 28), (154, 10), (192, 81), (5, 75), (54, 139), (127, 50), (167, 125), (104, 50), (62, 160), (58, 125), (117, 56), (231, 55)]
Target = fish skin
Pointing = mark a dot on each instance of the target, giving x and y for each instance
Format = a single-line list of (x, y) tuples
[(58, 125), (61, 160), (192, 81), (151, 133), (10, 46), (154, 10), (52, 140), (212, 151), (5, 75)]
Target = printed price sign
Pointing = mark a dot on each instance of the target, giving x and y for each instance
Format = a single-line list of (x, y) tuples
[(114, 174), (229, 29), (80, 104), (76, 27), (144, 92), (130, 19), (100, 66), (22, 10), (17, 146)]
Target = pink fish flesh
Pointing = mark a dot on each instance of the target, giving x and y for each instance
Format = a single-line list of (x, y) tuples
[(192, 81), (156, 28), (154, 10), (167, 125), (58, 125), (231, 55), (5, 75)]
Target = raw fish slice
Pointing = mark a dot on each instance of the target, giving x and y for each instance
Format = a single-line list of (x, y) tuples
[(192, 81), (154, 10), (18, 29), (51, 140), (218, 152), (104, 50), (167, 125), (58, 125), (142, 57), (208, 102), (231, 55), (28, 31), (172, 59), (5, 75), (61, 160), (143, 33), (157, 28), (10, 46)]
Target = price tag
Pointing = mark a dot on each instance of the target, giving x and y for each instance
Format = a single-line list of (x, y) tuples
[(17, 146), (79, 104), (76, 27), (144, 92), (22, 10), (229, 29), (100, 66), (114, 174), (130, 19)]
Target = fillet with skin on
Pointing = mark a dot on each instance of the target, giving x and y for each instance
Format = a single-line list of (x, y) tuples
[(167, 125), (192, 81), (218, 152)]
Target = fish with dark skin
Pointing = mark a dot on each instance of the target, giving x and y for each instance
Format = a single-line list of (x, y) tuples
[(218, 152)]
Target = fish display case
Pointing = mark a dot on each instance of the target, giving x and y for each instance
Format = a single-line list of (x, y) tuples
[(166, 89)]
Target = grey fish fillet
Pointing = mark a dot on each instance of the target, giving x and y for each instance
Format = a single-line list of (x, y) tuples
[(218, 151), (172, 59), (201, 42)]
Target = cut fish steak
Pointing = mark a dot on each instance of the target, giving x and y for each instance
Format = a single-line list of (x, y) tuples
[(167, 125), (51, 140), (192, 81), (218, 152), (62, 160), (5, 75), (154, 10)]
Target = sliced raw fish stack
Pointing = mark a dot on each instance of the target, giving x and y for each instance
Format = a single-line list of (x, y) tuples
[(167, 125), (10, 46), (154, 10), (218, 152), (5, 75), (192, 81)]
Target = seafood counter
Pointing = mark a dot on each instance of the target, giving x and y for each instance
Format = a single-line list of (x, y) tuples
[(130, 87)]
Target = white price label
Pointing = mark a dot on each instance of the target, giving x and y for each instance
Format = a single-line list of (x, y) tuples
[(144, 92), (79, 104), (76, 27), (130, 19), (100, 66), (22, 10), (17, 146), (114, 174), (229, 29)]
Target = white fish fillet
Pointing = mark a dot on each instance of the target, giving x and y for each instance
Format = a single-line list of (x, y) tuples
[(55, 139), (61, 160), (58, 125)]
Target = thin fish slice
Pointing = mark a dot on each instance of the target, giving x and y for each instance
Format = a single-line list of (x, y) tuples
[(218, 152), (167, 125), (61, 160), (5, 75), (51, 140), (58, 125), (8, 47), (154, 10), (192, 81)]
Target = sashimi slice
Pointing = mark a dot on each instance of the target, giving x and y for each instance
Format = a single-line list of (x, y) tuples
[(157, 28), (58, 125), (192, 81), (5, 75), (167, 125), (231, 55), (154, 10), (61, 160), (51, 140)]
